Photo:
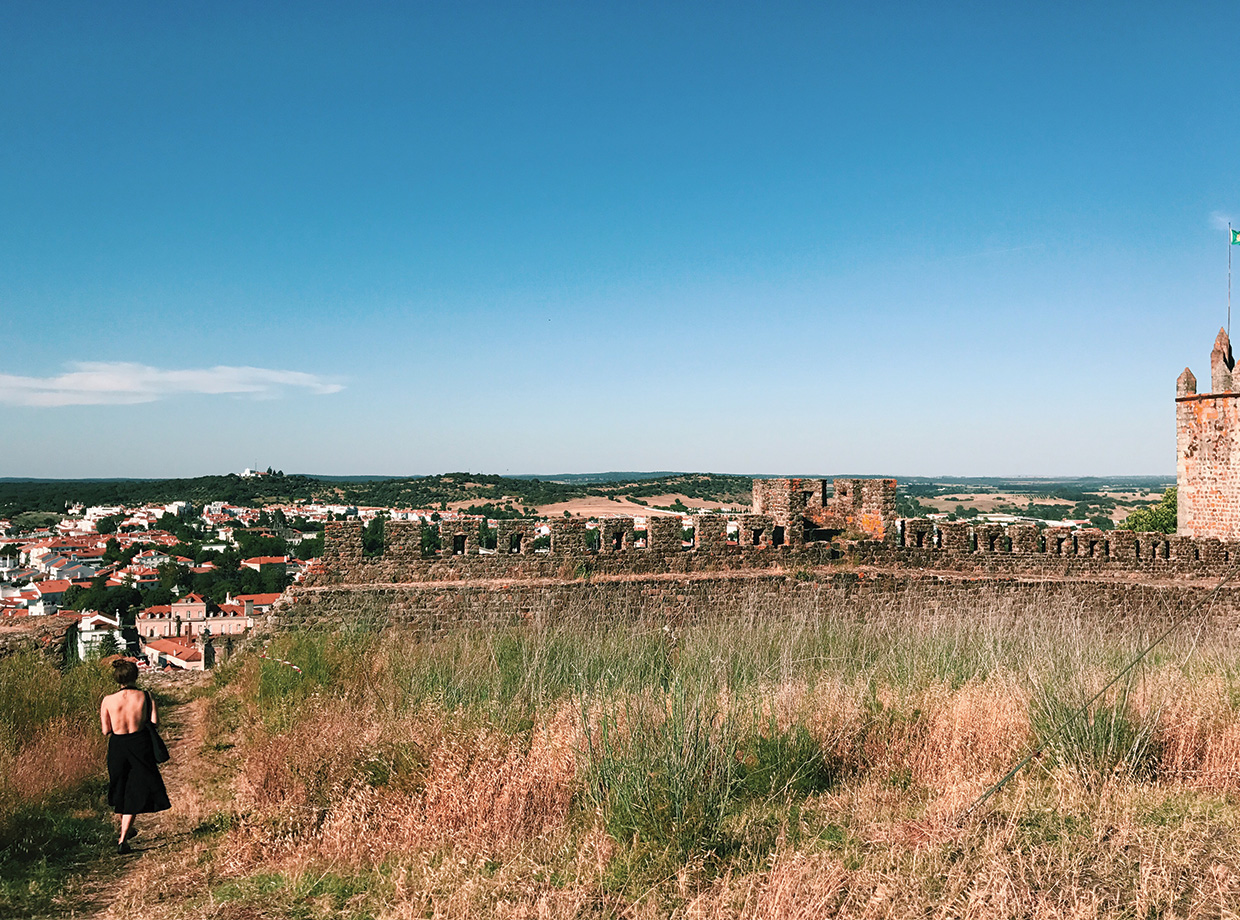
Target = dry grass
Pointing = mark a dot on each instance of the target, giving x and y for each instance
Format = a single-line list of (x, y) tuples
[(461, 776), (51, 759)]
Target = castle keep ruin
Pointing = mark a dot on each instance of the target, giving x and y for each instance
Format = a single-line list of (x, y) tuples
[(1207, 427), (807, 510)]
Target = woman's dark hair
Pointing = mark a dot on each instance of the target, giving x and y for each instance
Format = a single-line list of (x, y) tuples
[(125, 671)]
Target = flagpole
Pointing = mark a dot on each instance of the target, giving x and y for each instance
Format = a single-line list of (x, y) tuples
[(1229, 235)]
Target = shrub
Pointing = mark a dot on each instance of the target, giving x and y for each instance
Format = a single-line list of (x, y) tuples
[(1108, 739), (664, 775)]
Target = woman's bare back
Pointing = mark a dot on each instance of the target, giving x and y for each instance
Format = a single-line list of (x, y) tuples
[(121, 712)]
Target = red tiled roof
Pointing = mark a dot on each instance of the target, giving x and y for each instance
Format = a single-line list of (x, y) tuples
[(258, 599), (175, 649), (265, 560)]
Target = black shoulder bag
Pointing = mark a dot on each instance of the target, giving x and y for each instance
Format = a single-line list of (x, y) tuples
[(157, 743)]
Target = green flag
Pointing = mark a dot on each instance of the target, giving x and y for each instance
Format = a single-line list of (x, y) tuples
[(1235, 237)]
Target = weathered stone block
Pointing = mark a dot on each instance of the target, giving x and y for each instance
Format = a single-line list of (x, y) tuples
[(615, 534), (342, 540), (1026, 539), (1059, 542), (514, 537), (568, 537), (956, 536), (459, 537), (918, 534), (710, 533), (1092, 543), (990, 538), (664, 533), (1122, 545), (755, 530)]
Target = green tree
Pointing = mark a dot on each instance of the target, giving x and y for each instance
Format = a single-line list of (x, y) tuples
[(108, 524), (1160, 518), (170, 575), (273, 579), (108, 645), (310, 548), (430, 539), (373, 538), (158, 596)]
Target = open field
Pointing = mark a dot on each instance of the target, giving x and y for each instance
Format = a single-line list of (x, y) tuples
[(588, 506), (984, 502), (782, 763), (593, 506), (1106, 502), (1010, 502)]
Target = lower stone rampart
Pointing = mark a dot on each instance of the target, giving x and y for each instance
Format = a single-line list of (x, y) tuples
[(447, 606)]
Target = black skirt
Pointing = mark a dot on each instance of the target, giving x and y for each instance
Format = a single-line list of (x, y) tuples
[(134, 784)]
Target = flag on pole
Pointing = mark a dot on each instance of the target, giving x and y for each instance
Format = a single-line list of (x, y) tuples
[(1235, 237)]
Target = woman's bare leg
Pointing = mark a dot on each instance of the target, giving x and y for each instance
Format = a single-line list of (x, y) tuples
[(126, 820)]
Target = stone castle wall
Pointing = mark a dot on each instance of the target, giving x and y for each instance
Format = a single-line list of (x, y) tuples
[(440, 607), (914, 543), (788, 550), (791, 515), (1207, 429), (1208, 465)]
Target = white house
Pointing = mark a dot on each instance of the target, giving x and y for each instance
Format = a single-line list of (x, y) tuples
[(91, 630)]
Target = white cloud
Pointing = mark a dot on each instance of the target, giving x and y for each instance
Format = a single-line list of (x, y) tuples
[(123, 383), (1219, 220)]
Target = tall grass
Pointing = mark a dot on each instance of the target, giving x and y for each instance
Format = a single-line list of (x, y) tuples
[(665, 774), (815, 752), (51, 761), (1098, 740)]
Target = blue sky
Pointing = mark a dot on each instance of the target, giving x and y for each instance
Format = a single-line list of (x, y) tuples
[(908, 239)]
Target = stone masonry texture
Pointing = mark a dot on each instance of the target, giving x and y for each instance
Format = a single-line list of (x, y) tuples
[(805, 508), (1208, 451), (961, 546)]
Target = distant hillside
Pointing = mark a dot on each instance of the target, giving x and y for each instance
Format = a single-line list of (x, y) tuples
[(598, 477), (487, 494), (497, 496), (1067, 487)]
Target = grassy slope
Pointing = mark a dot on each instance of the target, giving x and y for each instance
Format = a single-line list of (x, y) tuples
[(805, 762), (52, 809)]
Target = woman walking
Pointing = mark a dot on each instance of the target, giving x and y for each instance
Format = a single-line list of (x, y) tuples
[(134, 784)]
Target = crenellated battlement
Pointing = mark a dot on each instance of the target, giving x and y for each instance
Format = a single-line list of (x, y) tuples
[(789, 516), (790, 536), (1120, 547)]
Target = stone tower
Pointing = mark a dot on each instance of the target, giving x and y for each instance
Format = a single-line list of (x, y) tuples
[(1207, 429)]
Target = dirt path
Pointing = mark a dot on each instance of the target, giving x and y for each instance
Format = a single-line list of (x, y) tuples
[(160, 835)]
